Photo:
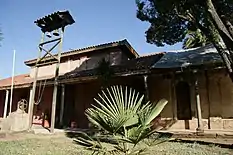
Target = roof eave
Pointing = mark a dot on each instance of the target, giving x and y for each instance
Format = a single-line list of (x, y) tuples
[(85, 50)]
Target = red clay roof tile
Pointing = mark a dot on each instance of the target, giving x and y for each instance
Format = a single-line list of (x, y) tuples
[(18, 80)]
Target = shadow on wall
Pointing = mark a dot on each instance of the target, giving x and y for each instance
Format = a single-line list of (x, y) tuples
[(88, 61)]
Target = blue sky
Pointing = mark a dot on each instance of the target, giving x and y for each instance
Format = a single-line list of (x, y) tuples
[(97, 21)]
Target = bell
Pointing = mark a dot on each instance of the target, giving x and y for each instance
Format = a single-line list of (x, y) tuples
[(55, 33), (48, 35)]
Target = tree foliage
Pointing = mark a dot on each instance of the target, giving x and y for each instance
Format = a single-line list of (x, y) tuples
[(104, 72), (171, 19), (195, 39)]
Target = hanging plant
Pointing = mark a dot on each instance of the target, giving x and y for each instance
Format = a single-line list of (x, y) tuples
[(104, 72)]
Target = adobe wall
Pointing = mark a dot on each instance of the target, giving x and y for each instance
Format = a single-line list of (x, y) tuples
[(83, 94), (79, 97), (44, 105), (160, 88), (221, 101), (216, 101), (18, 94), (81, 62)]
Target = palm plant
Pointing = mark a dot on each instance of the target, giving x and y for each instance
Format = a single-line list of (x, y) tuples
[(123, 114)]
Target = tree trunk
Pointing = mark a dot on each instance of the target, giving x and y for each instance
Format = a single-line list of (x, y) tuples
[(225, 35), (226, 59), (223, 31), (217, 21), (228, 25), (209, 33)]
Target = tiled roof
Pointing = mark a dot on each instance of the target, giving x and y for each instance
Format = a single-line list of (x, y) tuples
[(54, 21), (133, 65), (23, 80), (18, 80), (91, 49)]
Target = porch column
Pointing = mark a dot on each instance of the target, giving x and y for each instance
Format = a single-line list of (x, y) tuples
[(198, 106), (30, 109), (62, 104), (208, 96), (173, 97), (145, 77), (6, 102)]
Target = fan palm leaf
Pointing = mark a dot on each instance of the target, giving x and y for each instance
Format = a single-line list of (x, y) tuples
[(116, 108), (122, 113)]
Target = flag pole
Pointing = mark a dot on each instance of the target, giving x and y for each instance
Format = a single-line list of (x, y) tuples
[(12, 81)]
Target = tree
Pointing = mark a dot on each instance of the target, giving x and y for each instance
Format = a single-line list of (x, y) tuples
[(104, 72), (171, 19), (195, 39), (123, 115)]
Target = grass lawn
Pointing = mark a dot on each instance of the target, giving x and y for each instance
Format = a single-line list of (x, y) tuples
[(61, 145)]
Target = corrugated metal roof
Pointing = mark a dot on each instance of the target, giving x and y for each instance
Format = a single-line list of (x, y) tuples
[(191, 57)]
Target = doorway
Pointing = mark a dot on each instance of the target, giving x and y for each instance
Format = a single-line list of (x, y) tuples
[(183, 101)]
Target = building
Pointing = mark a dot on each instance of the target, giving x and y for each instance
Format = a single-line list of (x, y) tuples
[(193, 81)]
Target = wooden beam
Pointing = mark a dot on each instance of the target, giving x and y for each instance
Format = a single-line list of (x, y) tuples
[(54, 102), (32, 97), (78, 80)]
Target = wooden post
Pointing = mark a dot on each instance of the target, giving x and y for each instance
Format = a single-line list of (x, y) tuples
[(62, 104), (6, 102), (173, 96), (198, 106), (53, 114), (146, 87), (29, 108), (12, 83), (208, 96), (32, 94)]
